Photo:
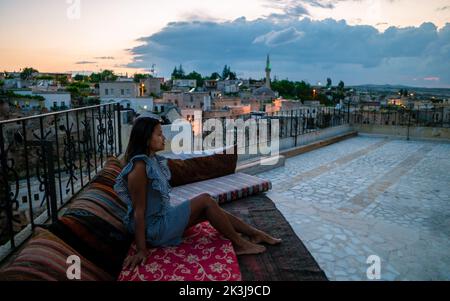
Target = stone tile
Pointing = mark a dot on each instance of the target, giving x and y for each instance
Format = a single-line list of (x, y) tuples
[(370, 196)]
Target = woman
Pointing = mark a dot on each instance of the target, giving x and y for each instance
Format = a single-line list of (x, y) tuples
[(144, 186)]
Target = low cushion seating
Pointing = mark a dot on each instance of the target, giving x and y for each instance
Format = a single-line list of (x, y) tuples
[(44, 258), (204, 255), (92, 228), (193, 168), (224, 189), (93, 222)]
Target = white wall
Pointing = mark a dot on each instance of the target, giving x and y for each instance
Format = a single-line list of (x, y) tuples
[(115, 89), (137, 104), (58, 98), (191, 83), (50, 98)]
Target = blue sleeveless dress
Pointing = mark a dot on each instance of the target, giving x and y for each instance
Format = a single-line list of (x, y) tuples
[(165, 223)]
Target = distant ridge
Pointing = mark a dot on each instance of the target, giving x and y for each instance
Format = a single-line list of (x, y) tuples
[(398, 87)]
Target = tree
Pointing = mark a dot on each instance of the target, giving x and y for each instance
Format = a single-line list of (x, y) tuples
[(62, 80), (81, 78), (214, 76), (329, 83), (181, 72), (93, 101), (164, 87), (106, 75), (27, 73), (78, 90), (45, 77), (197, 76), (303, 90), (289, 89), (178, 73), (175, 73), (403, 92), (138, 77), (341, 86), (285, 87), (228, 74), (225, 72)]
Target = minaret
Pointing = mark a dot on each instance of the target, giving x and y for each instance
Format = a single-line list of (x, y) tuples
[(268, 70)]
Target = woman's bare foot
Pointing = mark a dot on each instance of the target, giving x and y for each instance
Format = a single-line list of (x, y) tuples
[(262, 237), (247, 248)]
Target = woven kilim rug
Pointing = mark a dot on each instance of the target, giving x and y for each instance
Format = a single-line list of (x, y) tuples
[(289, 261)]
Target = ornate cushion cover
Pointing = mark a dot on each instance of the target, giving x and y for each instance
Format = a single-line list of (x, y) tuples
[(44, 258), (224, 189), (190, 169), (204, 255)]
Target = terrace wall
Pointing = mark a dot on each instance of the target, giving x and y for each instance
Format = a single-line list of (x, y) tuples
[(415, 132)]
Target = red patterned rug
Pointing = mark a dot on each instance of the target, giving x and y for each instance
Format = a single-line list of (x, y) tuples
[(204, 255)]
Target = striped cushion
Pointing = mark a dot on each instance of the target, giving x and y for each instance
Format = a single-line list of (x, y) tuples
[(95, 219), (93, 222), (224, 189), (44, 258), (108, 174)]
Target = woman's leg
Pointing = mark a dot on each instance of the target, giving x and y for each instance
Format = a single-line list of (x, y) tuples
[(256, 236), (204, 207)]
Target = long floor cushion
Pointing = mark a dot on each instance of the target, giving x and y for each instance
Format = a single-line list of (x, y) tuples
[(44, 258), (204, 255), (225, 189)]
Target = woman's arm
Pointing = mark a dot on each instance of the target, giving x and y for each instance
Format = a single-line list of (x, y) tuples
[(137, 186)]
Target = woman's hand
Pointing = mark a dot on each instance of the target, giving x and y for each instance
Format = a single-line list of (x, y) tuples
[(138, 259)]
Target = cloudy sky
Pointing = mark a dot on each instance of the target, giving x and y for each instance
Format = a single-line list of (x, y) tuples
[(357, 41)]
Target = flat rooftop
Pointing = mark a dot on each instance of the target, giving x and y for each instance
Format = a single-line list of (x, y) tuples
[(370, 196)]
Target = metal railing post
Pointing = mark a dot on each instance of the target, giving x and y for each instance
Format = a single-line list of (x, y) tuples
[(48, 145), (119, 127), (409, 122), (6, 198), (348, 113)]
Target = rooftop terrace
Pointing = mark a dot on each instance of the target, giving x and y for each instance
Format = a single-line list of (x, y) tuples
[(347, 201), (370, 196)]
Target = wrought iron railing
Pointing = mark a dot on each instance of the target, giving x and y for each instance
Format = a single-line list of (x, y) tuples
[(436, 117), (292, 123), (47, 159)]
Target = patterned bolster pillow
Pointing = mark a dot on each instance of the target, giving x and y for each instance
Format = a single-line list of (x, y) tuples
[(93, 222), (45, 257), (200, 168)]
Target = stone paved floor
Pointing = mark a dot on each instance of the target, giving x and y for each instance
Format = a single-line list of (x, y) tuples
[(370, 196)]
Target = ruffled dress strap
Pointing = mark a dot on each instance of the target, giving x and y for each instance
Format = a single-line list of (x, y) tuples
[(163, 163), (157, 171)]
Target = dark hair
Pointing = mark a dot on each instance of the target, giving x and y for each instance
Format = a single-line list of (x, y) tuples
[(141, 133)]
